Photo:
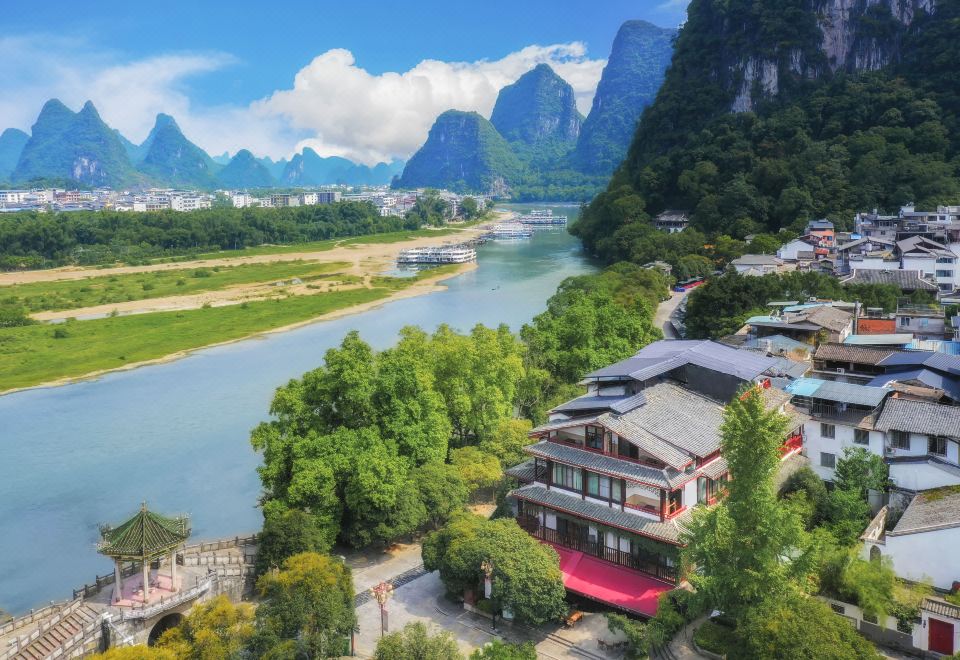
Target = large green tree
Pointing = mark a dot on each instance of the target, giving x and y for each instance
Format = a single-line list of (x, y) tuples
[(750, 546), (414, 642), (308, 605), (526, 574)]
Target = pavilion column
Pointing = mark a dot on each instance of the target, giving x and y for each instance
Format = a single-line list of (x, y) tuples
[(173, 570), (117, 581), (146, 579)]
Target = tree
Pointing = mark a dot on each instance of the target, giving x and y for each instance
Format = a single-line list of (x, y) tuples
[(382, 502), (214, 630), (739, 547), (415, 643), (477, 469), (526, 575), (287, 532), (847, 515), (469, 208), (500, 650), (442, 490), (807, 482), (308, 602), (798, 626), (508, 441), (860, 471)]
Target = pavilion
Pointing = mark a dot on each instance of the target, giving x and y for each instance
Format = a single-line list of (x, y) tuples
[(146, 537)]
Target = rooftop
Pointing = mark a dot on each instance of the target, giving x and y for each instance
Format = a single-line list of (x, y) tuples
[(828, 390), (146, 535), (663, 356), (608, 465), (896, 339), (905, 280), (920, 417), (758, 260), (930, 510), (869, 355)]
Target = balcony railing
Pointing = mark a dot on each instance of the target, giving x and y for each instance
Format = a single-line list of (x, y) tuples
[(638, 461), (793, 443), (642, 562)]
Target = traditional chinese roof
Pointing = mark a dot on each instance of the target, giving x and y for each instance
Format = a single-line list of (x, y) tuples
[(905, 280), (525, 472), (852, 353), (929, 511), (669, 530), (663, 356), (145, 536), (608, 465), (920, 417)]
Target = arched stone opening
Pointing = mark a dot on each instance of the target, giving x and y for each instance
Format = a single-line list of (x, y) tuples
[(874, 553), (166, 623)]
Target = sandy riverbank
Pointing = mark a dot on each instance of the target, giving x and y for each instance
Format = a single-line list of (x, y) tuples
[(424, 286)]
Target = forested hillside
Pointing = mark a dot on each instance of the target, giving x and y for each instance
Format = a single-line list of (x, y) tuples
[(764, 123)]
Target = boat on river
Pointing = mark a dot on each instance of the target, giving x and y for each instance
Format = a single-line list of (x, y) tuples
[(443, 254), (510, 230), (542, 217)]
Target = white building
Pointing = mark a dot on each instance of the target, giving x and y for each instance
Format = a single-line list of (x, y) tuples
[(757, 264), (921, 443), (243, 200), (189, 203), (795, 250)]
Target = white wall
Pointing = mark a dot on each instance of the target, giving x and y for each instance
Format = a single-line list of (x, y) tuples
[(924, 555), (815, 444), (919, 446), (921, 476), (690, 494)]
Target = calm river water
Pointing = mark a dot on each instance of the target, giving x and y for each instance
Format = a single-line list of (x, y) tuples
[(177, 434)]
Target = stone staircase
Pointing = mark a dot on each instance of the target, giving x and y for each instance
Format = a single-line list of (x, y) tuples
[(74, 632)]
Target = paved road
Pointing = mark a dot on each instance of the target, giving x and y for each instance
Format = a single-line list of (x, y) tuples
[(662, 318)]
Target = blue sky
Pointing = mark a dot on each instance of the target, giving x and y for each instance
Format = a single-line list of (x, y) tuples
[(246, 70)]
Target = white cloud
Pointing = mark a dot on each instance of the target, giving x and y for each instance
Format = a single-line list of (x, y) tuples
[(334, 106), (353, 113)]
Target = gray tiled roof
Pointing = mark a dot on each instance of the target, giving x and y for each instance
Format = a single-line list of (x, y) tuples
[(620, 403), (757, 260), (852, 353), (667, 478), (662, 356), (920, 417), (715, 468), (665, 531), (673, 425), (906, 280), (930, 510), (829, 317), (941, 607), (523, 472)]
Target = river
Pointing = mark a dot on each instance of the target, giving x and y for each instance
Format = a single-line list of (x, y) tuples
[(177, 434)]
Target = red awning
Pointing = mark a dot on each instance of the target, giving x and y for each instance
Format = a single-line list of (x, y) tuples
[(609, 583)]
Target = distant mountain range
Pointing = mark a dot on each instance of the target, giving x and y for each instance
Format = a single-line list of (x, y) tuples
[(67, 147), (537, 144)]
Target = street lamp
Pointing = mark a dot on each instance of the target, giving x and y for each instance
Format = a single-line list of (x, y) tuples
[(382, 593)]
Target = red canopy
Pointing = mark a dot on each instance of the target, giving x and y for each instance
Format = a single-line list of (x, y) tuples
[(609, 583)]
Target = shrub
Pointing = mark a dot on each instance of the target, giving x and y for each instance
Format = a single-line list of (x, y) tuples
[(715, 638), (60, 333)]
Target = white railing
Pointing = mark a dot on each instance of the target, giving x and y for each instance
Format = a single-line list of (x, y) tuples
[(20, 642), (34, 615), (875, 530), (148, 611)]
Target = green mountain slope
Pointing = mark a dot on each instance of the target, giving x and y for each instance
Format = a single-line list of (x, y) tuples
[(173, 160), (538, 114), (634, 72), (774, 112), (72, 146), (463, 151), (245, 171), (12, 141)]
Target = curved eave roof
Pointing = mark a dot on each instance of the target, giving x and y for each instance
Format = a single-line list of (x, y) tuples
[(145, 536)]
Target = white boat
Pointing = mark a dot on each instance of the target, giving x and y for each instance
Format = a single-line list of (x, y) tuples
[(443, 254), (542, 217), (510, 230)]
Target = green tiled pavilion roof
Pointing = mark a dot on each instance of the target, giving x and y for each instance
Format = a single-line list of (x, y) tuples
[(145, 536)]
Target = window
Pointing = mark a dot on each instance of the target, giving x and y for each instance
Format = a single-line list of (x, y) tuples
[(827, 430), (594, 437), (899, 439), (937, 445), (567, 477), (861, 436), (598, 486), (905, 321), (828, 460), (944, 273)]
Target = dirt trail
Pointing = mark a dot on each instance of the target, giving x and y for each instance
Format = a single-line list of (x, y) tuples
[(363, 258)]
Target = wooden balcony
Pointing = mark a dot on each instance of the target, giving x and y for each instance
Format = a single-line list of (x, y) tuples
[(642, 562), (792, 445)]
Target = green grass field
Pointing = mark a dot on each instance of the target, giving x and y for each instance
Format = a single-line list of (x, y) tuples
[(35, 354), (106, 289)]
